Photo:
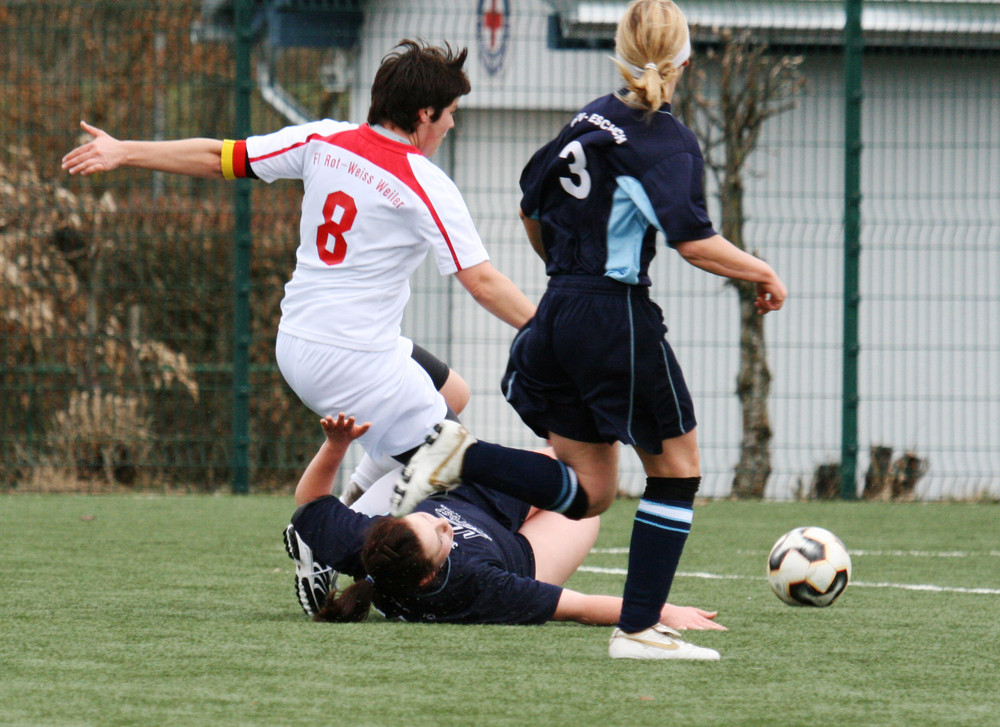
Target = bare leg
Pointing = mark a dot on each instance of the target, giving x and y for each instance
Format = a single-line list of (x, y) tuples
[(455, 392), (680, 458), (560, 544), (596, 467)]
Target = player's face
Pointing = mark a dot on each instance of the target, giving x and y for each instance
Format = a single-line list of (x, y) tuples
[(434, 534), (429, 133)]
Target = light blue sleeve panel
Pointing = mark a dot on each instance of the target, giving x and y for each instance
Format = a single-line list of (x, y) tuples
[(631, 214)]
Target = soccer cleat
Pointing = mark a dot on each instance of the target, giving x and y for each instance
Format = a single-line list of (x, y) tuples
[(435, 467), (656, 642), (313, 580)]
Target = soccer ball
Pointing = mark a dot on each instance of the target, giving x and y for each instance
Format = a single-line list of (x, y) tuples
[(808, 567)]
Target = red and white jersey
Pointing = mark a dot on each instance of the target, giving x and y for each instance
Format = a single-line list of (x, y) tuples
[(371, 208)]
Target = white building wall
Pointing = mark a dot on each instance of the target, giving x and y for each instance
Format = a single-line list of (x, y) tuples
[(930, 327)]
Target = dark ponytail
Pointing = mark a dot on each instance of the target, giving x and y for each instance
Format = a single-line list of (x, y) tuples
[(348, 605), (396, 566)]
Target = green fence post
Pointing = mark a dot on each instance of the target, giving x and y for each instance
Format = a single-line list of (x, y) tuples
[(241, 260), (853, 48)]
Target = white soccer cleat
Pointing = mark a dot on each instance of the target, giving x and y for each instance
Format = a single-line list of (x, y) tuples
[(656, 642), (313, 580), (435, 467)]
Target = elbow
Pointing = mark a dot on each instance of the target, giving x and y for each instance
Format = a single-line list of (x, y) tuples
[(691, 252), (478, 291), (478, 280)]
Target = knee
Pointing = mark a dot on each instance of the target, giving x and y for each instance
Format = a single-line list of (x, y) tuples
[(455, 392), (600, 501), (587, 504), (680, 458)]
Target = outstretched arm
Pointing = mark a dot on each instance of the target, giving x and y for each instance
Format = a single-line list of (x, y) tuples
[(719, 256), (192, 157), (318, 478), (606, 610)]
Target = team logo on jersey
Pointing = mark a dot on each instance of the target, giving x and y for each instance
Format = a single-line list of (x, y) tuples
[(493, 33), (464, 530)]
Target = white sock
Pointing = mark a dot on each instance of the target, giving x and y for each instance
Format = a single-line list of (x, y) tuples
[(378, 498), (365, 475)]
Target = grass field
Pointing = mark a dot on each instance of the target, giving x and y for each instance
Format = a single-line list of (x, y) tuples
[(159, 610)]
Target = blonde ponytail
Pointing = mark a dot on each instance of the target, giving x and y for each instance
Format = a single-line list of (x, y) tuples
[(652, 44)]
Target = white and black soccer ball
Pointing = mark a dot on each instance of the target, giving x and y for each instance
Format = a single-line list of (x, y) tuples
[(808, 567)]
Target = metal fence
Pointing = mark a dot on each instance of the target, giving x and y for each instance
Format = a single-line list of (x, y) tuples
[(138, 310)]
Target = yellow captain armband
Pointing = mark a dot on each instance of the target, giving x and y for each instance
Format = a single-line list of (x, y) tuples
[(228, 150)]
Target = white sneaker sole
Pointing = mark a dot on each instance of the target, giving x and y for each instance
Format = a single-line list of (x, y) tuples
[(654, 643), (313, 580), (435, 467)]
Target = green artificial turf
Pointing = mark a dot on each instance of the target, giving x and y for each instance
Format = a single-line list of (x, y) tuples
[(160, 610)]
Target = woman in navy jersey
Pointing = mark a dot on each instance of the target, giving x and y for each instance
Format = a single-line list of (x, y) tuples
[(593, 366), (468, 556), (374, 206)]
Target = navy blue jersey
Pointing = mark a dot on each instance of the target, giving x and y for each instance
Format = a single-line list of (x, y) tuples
[(604, 186), (488, 578)]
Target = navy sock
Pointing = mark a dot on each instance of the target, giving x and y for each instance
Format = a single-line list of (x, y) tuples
[(660, 529), (531, 477)]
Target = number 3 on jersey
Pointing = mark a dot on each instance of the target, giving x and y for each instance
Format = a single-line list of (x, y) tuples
[(579, 184), (339, 212)]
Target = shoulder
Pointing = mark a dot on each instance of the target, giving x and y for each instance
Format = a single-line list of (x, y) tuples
[(658, 143), (433, 179), (674, 130), (323, 128), (427, 168)]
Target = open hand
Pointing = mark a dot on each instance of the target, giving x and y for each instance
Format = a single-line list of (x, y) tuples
[(101, 154), (342, 430), (689, 617)]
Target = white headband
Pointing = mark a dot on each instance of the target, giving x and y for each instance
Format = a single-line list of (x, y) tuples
[(678, 60), (683, 54)]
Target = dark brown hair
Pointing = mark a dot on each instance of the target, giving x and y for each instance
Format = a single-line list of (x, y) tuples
[(395, 563), (417, 76)]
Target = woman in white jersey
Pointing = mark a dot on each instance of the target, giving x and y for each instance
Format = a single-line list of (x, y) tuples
[(373, 206)]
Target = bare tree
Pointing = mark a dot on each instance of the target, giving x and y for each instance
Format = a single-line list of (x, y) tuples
[(752, 87)]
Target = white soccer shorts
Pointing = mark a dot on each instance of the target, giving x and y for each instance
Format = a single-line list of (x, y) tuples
[(387, 388)]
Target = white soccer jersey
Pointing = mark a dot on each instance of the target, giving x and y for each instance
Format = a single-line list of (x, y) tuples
[(371, 208)]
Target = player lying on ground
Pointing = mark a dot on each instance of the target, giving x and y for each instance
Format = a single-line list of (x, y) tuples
[(468, 556)]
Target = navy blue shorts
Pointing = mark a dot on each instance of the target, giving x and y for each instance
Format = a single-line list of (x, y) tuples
[(594, 365)]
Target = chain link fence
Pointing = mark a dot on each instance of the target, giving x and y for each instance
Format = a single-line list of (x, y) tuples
[(117, 291)]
